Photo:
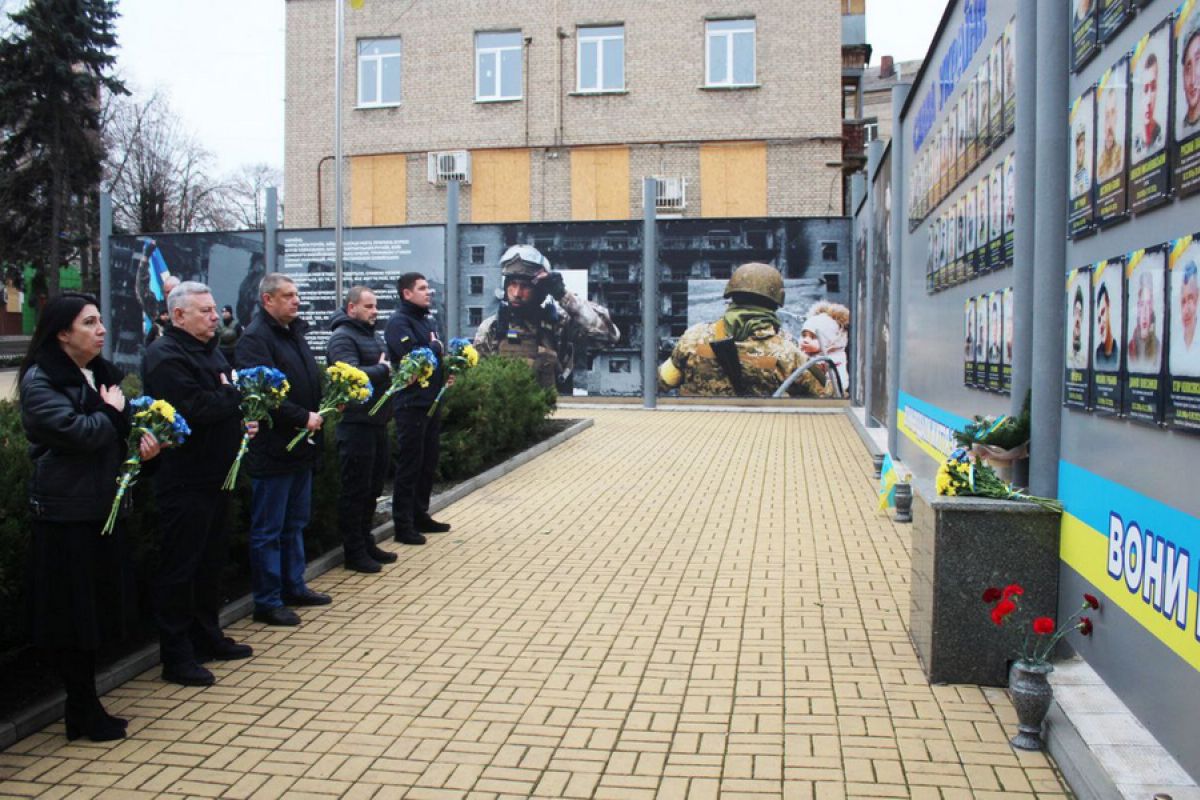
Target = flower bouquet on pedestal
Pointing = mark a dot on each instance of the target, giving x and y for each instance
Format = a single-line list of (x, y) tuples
[(1028, 680), (1000, 441), (461, 355), (157, 418), (416, 367), (263, 390), (343, 384), (958, 476)]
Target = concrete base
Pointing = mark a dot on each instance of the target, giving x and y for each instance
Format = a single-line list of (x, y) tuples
[(1104, 752), (34, 718), (961, 546)]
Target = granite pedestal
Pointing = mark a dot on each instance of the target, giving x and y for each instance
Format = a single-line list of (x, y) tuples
[(961, 546)]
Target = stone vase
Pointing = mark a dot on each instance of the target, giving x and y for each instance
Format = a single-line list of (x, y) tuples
[(1029, 686)]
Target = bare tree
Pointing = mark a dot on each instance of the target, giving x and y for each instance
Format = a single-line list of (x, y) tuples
[(245, 194), (160, 176)]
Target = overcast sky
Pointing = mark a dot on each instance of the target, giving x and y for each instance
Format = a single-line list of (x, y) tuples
[(221, 63)]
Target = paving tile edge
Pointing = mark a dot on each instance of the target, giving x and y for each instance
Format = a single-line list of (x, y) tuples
[(36, 717)]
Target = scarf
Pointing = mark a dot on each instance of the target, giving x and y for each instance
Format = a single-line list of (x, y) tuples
[(742, 322)]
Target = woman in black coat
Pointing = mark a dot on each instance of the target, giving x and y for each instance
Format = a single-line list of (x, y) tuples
[(77, 423)]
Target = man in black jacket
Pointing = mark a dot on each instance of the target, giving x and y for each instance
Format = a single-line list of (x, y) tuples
[(282, 480), (412, 326), (185, 368), (361, 437)]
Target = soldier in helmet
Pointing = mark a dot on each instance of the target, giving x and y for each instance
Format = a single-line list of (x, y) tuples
[(539, 320), (746, 352)]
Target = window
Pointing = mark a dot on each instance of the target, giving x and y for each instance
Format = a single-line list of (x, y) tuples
[(870, 132), (476, 284), (829, 251), (498, 66), (729, 52), (474, 316), (378, 72), (478, 253), (601, 59), (617, 365)]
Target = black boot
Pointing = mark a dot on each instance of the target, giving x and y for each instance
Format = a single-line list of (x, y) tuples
[(84, 714), (380, 555), (362, 562)]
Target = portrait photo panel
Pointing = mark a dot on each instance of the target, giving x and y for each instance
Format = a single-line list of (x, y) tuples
[(1108, 334), (1078, 338), (1145, 282), (1113, 16), (1084, 33), (1112, 117), (1183, 395), (969, 342), (1010, 207), (1010, 77), (995, 341), (1082, 153), (1186, 146), (1009, 322), (1150, 82), (981, 332)]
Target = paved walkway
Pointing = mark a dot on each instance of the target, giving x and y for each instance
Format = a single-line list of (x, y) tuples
[(672, 604)]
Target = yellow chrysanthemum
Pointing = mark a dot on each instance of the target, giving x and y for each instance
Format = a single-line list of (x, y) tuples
[(163, 409), (471, 354)]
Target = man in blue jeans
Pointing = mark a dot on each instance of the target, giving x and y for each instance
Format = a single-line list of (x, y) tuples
[(282, 480)]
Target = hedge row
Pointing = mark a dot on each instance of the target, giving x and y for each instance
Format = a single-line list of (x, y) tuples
[(495, 409)]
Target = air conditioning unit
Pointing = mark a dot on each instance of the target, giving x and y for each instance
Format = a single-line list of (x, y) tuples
[(449, 165), (670, 194)]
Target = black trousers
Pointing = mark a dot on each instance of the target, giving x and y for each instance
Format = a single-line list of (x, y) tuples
[(187, 585), (417, 447), (363, 459)]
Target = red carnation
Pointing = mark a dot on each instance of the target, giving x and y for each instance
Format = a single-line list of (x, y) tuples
[(1043, 626), (1002, 610), (991, 594), (1011, 589), (1085, 626), (1091, 601)]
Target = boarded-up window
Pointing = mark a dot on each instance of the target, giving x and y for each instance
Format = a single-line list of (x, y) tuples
[(500, 186), (733, 180), (600, 183), (378, 190)]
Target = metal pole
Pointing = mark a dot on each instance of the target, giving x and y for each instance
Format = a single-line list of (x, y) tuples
[(874, 153), (453, 287), (340, 28), (271, 235), (858, 191), (896, 269), (106, 271), (649, 295), (1049, 244), (1026, 175)]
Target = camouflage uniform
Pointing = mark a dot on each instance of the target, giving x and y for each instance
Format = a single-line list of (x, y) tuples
[(766, 354), (543, 334)]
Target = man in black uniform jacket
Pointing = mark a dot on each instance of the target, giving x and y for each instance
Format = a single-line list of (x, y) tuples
[(412, 326), (361, 437), (185, 368)]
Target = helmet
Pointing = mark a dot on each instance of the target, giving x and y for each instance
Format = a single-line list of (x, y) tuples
[(760, 280), (522, 261)]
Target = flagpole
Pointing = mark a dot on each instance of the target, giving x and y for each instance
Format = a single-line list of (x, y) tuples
[(340, 27)]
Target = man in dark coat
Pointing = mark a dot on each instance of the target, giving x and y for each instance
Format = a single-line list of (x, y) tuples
[(361, 437), (411, 326), (185, 368), (282, 479)]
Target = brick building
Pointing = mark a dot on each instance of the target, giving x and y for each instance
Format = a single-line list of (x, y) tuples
[(556, 110)]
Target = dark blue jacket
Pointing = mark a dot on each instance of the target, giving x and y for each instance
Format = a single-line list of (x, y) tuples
[(410, 327), (356, 344), (266, 343)]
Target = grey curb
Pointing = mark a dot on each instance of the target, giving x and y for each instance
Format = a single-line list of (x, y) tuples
[(32, 719)]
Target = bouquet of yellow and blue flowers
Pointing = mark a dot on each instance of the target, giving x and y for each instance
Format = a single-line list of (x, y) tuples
[(461, 355), (416, 367), (157, 418), (263, 390), (959, 476), (344, 384)]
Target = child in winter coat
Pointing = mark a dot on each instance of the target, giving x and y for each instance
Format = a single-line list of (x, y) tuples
[(826, 333)]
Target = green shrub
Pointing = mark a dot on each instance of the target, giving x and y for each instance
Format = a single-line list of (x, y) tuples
[(491, 411)]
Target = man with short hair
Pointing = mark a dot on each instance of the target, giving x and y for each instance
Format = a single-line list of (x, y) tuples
[(1108, 352), (361, 437), (1185, 354), (412, 325), (281, 478), (1191, 77), (185, 368), (1149, 136)]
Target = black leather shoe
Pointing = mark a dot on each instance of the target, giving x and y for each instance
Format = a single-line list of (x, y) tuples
[(408, 537), (226, 650), (281, 615), (381, 555), (363, 563), (431, 525), (97, 728), (187, 675), (307, 598)]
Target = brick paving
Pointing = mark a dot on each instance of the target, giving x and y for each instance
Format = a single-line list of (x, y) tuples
[(671, 604)]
